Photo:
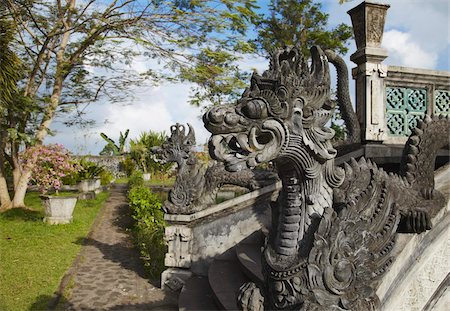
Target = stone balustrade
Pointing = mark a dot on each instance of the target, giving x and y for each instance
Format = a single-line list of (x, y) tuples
[(390, 99)]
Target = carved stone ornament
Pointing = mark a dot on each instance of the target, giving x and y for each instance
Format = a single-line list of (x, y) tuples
[(178, 246), (196, 184), (333, 229), (368, 23)]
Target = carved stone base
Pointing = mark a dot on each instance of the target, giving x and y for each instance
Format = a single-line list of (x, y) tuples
[(173, 279), (178, 240)]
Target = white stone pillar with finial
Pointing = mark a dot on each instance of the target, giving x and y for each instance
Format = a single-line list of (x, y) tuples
[(368, 20)]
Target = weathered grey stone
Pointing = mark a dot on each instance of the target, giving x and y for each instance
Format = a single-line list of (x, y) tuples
[(196, 184), (368, 23), (87, 195), (195, 239), (421, 264), (173, 279), (333, 230)]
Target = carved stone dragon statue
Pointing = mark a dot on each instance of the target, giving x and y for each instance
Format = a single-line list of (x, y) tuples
[(197, 184), (333, 229)]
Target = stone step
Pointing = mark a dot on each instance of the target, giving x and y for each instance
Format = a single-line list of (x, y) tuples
[(225, 278), (196, 295), (249, 257)]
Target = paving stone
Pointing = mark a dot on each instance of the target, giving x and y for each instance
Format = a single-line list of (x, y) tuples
[(110, 274)]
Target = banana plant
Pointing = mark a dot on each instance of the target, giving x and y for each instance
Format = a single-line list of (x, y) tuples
[(111, 147)]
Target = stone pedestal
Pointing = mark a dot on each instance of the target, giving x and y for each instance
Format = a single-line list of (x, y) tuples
[(174, 278), (368, 26)]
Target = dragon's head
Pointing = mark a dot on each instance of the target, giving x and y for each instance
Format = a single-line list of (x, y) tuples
[(178, 147), (291, 99)]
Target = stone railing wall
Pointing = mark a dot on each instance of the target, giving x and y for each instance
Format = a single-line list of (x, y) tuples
[(194, 240), (390, 99), (411, 94)]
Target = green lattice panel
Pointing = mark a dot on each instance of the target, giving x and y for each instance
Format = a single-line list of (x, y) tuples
[(416, 100), (395, 98), (442, 102), (404, 107), (412, 121), (396, 122)]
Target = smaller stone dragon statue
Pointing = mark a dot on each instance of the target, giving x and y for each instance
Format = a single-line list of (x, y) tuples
[(197, 184), (333, 229)]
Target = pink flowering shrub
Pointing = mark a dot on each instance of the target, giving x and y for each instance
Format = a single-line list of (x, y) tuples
[(48, 165)]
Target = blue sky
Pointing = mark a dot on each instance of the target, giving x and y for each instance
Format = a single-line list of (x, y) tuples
[(416, 35)]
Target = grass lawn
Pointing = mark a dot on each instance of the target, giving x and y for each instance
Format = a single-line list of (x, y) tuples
[(34, 256)]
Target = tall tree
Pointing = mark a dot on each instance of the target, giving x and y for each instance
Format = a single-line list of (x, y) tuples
[(301, 23), (75, 52), (10, 66)]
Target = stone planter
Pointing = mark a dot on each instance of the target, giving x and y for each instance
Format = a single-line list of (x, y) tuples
[(146, 176), (98, 183), (58, 209), (87, 185)]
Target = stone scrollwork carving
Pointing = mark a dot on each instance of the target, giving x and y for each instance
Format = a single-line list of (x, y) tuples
[(178, 253), (197, 184), (333, 228)]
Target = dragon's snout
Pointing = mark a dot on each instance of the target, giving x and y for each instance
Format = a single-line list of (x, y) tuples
[(215, 115), (223, 119)]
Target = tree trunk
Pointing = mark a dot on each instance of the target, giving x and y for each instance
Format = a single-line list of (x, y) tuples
[(5, 199), (16, 176), (21, 190)]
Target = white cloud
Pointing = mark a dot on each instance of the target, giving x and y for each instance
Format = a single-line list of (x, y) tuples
[(155, 109), (404, 51)]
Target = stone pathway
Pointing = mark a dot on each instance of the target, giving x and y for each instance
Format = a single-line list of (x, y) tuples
[(109, 274)]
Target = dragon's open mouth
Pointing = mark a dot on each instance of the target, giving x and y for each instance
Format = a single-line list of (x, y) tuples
[(247, 149)]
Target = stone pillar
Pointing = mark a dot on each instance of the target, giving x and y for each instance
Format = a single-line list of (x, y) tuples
[(178, 257), (368, 26)]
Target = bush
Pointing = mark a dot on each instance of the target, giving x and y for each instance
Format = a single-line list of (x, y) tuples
[(149, 228), (136, 179), (106, 177), (128, 165), (87, 170)]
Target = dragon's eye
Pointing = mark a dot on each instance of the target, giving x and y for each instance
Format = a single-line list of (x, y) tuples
[(255, 109), (282, 93)]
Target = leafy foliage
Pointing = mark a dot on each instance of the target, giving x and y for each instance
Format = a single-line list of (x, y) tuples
[(111, 147), (106, 177), (128, 165), (75, 53), (86, 170), (300, 23), (140, 152), (10, 64), (136, 179), (149, 228)]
